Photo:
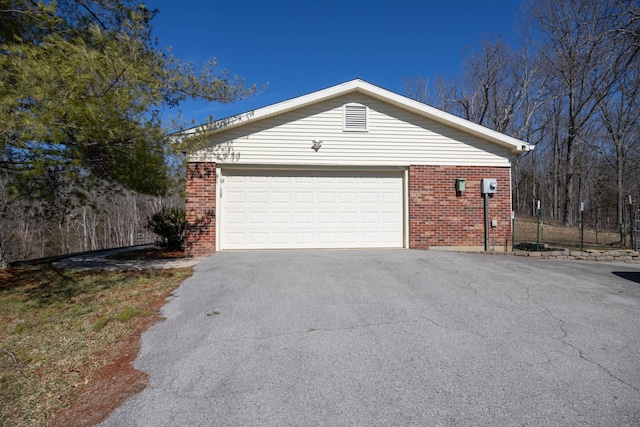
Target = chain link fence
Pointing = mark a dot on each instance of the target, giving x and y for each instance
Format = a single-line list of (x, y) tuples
[(550, 235)]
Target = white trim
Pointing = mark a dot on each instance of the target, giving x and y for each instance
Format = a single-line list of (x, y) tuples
[(405, 188), (220, 173), (516, 146), (305, 168)]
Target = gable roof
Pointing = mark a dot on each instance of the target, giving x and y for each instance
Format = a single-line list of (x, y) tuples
[(516, 146)]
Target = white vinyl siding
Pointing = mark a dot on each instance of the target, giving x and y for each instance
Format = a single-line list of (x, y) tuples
[(395, 137), (264, 209)]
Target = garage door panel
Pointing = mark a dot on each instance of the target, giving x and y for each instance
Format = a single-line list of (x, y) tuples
[(236, 217), (369, 197), (348, 197), (391, 218), (370, 181), (281, 179), (390, 198), (326, 197), (255, 180), (281, 217), (258, 197), (281, 238), (349, 238), (236, 197), (303, 218), (370, 237), (269, 209), (304, 197), (327, 238), (326, 180), (303, 238), (259, 217), (235, 179), (258, 237), (387, 181), (369, 218), (347, 180), (390, 237), (281, 197), (234, 238), (350, 218), (326, 218)]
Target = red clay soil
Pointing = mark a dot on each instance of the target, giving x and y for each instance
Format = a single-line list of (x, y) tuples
[(114, 383)]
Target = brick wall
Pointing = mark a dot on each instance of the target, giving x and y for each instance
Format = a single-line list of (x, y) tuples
[(200, 230), (438, 216)]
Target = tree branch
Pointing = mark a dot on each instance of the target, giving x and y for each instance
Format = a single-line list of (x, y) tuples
[(12, 356)]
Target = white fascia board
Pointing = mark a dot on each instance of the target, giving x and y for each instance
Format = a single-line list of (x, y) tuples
[(274, 109), (357, 85), (449, 119)]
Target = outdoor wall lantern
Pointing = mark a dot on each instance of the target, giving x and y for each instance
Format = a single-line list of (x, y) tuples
[(461, 185)]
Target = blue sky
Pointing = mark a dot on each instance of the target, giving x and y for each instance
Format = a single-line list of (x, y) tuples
[(297, 47)]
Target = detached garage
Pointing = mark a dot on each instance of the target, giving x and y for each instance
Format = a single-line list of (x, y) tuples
[(351, 166)]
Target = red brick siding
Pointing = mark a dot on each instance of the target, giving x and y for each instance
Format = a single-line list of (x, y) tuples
[(200, 230), (438, 216)]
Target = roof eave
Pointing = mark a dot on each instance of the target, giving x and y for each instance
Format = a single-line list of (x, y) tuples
[(514, 145)]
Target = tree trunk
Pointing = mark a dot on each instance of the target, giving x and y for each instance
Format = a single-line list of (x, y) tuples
[(556, 173), (620, 195), (568, 199), (3, 261)]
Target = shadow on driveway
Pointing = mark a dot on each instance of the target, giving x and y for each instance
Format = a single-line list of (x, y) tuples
[(634, 276)]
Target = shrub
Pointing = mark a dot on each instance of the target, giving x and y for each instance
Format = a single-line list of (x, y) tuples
[(169, 225)]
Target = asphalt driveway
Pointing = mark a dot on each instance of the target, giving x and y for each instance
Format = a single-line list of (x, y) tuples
[(393, 337)]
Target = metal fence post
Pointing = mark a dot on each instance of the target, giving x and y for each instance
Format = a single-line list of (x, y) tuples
[(581, 226), (631, 224), (538, 232), (636, 221)]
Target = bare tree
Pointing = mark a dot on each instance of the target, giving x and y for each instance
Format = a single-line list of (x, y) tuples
[(500, 88), (418, 88), (619, 120), (103, 218), (572, 88), (575, 39)]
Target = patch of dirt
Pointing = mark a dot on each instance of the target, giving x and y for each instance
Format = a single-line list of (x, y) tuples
[(114, 383), (10, 277)]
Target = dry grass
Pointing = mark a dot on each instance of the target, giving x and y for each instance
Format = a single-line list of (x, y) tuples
[(558, 235), (62, 327)]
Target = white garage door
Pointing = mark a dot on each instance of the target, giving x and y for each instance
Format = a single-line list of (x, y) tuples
[(281, 210)]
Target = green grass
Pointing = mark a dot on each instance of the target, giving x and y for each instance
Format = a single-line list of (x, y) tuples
[(60, 327)]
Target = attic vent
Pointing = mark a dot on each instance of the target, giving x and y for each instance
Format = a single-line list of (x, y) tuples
[(355, 117)]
